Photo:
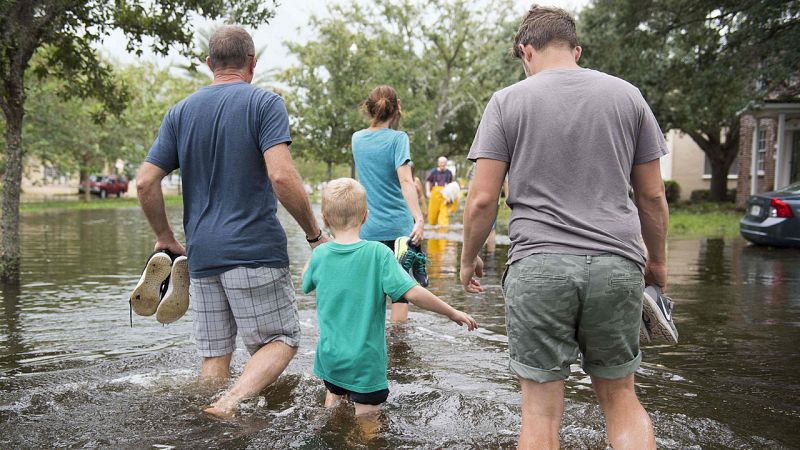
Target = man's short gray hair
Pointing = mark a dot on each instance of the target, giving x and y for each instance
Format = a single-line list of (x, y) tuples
[(229, 48)]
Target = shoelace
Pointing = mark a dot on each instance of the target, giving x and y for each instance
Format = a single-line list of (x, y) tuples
[(408, 259), (420, 259)]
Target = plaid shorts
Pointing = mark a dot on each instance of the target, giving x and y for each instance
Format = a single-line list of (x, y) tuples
[(258, 303)]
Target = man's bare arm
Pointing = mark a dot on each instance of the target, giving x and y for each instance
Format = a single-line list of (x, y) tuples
[(151, 200), (288, 187), (651, 200), (481, 211)]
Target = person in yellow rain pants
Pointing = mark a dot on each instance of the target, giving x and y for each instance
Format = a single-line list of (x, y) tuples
[(434, 183)]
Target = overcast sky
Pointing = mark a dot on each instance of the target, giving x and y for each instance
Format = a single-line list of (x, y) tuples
[(290, 24)]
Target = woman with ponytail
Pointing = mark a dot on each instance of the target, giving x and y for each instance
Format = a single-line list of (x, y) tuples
[(382, 157)]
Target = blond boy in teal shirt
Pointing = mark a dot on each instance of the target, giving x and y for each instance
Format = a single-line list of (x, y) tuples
[(351, 278)]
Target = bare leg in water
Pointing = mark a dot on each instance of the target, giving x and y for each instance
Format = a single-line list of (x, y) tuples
[(366, 415), (263, 368), (628, 424)]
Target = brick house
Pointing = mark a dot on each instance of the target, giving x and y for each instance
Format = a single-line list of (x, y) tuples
[(769, 148)]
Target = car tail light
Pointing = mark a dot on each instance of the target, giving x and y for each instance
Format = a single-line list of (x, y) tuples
[(779, 208)]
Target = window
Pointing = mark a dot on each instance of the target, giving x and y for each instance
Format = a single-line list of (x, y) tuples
[(50, 172), (762, 149), (733, 171)]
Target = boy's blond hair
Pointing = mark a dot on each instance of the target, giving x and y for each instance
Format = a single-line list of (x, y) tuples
[(344, 203)]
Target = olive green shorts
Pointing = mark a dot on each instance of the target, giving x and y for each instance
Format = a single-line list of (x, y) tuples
[(558, 306)]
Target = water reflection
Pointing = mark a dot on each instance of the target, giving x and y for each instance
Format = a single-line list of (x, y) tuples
[(11, 333), (73, 373)]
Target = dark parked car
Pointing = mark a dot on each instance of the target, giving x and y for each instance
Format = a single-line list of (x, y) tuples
[(105, 186), (773, 218)]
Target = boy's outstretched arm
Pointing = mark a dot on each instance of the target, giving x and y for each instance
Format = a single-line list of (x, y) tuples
[(424, 299)]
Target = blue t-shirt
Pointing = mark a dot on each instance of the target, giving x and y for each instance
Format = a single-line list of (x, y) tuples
[(217, 137), (378, 154)]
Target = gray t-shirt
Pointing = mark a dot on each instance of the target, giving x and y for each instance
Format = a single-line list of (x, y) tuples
[(571, 138), (217, 137)]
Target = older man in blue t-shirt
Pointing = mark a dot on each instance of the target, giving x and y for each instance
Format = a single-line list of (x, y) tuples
[(231, 142)]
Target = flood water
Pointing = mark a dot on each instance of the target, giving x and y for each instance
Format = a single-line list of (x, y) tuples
[(74, 374)]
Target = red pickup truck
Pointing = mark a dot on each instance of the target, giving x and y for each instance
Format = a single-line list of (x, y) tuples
[(105, 186)]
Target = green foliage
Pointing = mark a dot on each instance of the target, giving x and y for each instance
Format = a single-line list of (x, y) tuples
[(704, 195), (313, 172), (698, 62), (69, 29), (326, 89), (709, 224), (444, 58), (66, 135), (64, 34), (685, 220), (704, 208), (672, 190)]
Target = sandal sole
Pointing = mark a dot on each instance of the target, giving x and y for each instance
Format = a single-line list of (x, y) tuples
[(147, 294), (176, 302)]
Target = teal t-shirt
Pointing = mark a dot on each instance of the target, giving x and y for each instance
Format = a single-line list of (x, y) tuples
[(351, 282), (378, 154)]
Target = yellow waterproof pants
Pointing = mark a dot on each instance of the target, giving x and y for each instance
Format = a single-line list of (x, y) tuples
[(437, 208)]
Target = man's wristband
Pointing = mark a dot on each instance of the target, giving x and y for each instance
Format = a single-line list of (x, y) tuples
[(316, 239)]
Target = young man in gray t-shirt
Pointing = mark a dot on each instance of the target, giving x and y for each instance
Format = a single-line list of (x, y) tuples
[(573, 143)]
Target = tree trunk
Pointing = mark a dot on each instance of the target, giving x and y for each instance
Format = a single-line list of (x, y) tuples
[(12, 180), (719, 180), (83, 177), (720, 156), (330, 169)]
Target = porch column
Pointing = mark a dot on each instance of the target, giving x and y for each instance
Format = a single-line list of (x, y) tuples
[(779, 152), (754, 161)]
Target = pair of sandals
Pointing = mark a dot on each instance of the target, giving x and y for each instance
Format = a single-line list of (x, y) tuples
[(163, 289)]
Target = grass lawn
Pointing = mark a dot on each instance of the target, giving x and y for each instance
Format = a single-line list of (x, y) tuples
[(94, 203), (704, 220), (685, 220)]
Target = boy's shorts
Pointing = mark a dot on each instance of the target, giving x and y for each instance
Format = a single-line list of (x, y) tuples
[(370, 398), (258, 304), (560, 305)]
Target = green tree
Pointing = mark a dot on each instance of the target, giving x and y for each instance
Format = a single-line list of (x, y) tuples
[(67, 134), (334, 75), (444, 58), (67, 29), (698, 62)]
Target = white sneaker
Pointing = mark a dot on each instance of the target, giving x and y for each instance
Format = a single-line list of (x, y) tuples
[(176, 300), (147, 293)]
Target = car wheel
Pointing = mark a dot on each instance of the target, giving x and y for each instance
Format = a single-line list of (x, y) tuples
[(103, 193)]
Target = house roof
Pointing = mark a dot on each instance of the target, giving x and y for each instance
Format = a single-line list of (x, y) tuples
[(771, 108)]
